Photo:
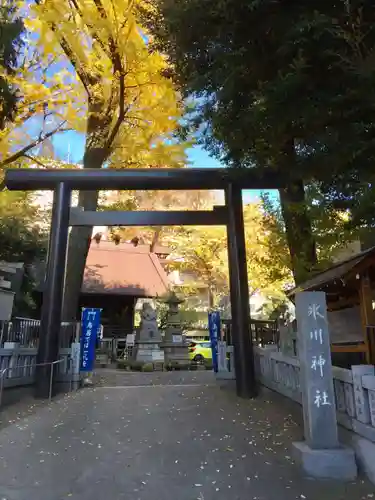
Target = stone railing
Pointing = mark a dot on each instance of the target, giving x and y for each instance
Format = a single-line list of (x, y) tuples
[(354, 389), (17, 365), (278, 372)]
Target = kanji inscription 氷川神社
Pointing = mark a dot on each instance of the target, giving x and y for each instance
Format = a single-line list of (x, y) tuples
[(320, 454), (316, 370)]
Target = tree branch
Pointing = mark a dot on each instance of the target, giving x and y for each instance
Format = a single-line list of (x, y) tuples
[(122, 113), (32, 158), (119, 69), (75, 5), (22, 152), (86, 79)]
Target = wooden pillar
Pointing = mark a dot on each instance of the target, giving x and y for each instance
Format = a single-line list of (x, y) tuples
[(368, 317), (50, 320), (239, 295)]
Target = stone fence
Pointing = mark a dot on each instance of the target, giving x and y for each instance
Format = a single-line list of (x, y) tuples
[(354, 389), (17, 365)]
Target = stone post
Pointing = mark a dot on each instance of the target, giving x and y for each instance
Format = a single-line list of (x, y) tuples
[(176, 351), (321, 454), (75, 356), (225, 359)]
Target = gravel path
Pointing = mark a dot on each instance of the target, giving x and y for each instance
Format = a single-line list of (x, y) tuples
[(166, 436)]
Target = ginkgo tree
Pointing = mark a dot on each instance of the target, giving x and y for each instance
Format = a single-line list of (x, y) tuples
[(202, 252), (157, 200), (10, 43), (95, 74)]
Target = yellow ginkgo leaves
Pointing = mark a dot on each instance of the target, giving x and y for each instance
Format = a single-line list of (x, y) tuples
[(87, 65)]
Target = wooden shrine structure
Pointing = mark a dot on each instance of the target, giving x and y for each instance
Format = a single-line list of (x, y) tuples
[(350, 290)]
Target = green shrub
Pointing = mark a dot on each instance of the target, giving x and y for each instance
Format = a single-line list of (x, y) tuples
[(148, 367), (122, 364), (136, 366)]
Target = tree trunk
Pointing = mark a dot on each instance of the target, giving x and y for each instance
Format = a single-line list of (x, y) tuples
[(95, 155), (155, 239), (79, 244), (211, 296), (298, 227)]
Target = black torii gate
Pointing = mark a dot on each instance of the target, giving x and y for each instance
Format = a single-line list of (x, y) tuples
[(64, 181)]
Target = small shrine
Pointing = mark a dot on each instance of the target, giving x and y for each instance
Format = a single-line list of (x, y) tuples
[(349, 286), (175, 348), (148, 338)]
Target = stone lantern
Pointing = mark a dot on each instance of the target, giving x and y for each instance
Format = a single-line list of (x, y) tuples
[(176, 351)]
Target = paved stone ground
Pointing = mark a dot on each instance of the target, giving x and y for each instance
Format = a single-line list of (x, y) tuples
[(177, 436), (17, 404), (111, 377)]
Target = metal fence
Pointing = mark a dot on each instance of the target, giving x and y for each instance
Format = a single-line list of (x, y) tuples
[(25, 332), (113, 342), (262, 332)]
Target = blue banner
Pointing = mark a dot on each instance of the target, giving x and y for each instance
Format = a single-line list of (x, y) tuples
[(214, 327), (90, 325)]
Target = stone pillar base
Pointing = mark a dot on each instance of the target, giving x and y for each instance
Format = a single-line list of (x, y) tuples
[(337, 463), (88, 379), (148, 352), (176, 353)]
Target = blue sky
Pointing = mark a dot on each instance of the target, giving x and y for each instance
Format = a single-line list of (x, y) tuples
[(71, 144), (199, 158)]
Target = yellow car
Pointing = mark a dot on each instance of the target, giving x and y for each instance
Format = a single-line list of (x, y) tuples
[(200, 351)]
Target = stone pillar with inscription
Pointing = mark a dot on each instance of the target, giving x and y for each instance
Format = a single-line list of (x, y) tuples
[(321, 455)]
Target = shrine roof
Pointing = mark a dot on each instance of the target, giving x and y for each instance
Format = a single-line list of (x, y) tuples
[(123, 270), (337, 271)]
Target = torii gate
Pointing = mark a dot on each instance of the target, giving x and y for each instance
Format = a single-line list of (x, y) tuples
[(64, 181)]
